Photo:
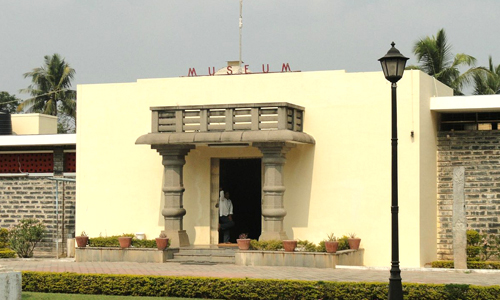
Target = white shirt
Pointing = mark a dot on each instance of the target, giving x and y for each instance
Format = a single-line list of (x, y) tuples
[(225, 205)]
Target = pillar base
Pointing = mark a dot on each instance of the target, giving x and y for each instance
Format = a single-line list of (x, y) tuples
[(178, 238), (270, 235)]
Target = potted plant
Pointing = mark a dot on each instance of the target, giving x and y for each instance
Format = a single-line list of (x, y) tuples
[(162, 241), (331, 244), (243, 242), (82, 240), (125, 241), (353, 241), (289, 245)]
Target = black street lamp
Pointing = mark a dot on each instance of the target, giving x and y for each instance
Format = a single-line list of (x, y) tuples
[(393, 65)]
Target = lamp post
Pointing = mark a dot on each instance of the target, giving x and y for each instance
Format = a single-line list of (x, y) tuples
[(393, 65)]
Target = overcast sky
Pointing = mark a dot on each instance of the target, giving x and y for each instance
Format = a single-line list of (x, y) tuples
[(109, 41)]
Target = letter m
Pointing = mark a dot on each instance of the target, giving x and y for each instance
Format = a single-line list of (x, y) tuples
[(286, 68), (192, 72)]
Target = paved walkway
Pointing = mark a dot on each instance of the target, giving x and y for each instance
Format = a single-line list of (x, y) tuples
[(476, 277)]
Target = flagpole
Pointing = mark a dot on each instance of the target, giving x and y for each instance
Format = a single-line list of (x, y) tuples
[(241, 27)]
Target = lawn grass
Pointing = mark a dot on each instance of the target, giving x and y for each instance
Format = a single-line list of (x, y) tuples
[(51, 296)]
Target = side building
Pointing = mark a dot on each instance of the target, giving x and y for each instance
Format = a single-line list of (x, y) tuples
[(30, 158)]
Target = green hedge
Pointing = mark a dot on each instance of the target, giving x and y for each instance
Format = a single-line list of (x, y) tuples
[(112, 241), (470, 264), (302, 245), (224, 288), (7, 253)]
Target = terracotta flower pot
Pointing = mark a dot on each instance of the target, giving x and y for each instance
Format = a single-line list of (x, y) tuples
[(162, 243), (354, 243), (125, 241), (243, 244), (82, 241), (331, 247), (289, 245)]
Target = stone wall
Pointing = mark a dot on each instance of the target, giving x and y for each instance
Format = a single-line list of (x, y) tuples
[(479, 153), (35, 197)]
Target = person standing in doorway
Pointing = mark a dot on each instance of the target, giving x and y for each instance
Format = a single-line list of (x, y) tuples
[(225, 215)]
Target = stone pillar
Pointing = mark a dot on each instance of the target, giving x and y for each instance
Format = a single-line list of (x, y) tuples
[(273, 209), (10, 284), (58, 161), (173, 189), (459, 220)]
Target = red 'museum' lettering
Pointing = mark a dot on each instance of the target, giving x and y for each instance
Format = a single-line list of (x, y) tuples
[(211, 73), (264, 71), (286, 68), (246, 69), (229, 70), (192, 72)]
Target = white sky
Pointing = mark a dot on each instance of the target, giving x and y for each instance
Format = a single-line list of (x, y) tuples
[(109, 41)]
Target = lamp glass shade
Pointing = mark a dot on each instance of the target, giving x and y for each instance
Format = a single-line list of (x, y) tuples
[(393, 64)]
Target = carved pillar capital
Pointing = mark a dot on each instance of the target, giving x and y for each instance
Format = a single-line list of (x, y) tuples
[(274, 149)]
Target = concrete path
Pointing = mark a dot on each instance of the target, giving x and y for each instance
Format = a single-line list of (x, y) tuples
[(346, 274)]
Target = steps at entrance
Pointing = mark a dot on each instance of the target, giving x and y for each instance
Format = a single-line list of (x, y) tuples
[(205, 255)]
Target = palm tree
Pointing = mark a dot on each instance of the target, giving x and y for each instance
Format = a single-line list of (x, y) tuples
[(435, 58), (50, 88), (487, 82)]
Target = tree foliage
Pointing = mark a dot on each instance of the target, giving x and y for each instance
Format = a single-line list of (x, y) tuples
[(435, 58), (8, 102), (50, 88), (487, 80), (24, 236)]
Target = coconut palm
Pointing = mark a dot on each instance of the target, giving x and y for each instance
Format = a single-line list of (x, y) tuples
[(487, 82), (435, 58), (50, 88)]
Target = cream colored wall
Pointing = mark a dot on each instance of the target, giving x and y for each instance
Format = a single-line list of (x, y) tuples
[(428, 164), (340, 185), (34, 124)]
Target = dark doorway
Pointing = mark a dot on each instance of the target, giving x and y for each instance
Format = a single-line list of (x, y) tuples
[(242, 178)]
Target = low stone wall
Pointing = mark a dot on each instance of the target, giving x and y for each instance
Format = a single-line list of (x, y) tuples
[(113, 254), (299, 259)]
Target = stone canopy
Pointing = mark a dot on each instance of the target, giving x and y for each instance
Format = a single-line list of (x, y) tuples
[(273, 128)]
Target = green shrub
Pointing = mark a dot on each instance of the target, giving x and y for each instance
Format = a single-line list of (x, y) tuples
[(473, 253), (271, 245), (112, 241), (306, 246), (322, 247), (490, 246), (470, 264), (7, 253), (4, 238), (473, 237), (231, 288), (144, 243), (343, 243), (24, 236), (481, 247)]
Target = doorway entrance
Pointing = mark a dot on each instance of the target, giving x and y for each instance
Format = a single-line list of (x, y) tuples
[(242, 178)]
